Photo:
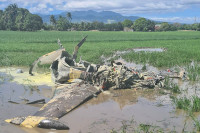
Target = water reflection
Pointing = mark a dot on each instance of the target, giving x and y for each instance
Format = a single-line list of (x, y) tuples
[(124, 97)]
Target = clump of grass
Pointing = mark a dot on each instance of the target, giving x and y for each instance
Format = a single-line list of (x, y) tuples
[(189, 104), (132, 127), (193, 72), (144, 67), (175, 88), (182, 103), (145, 127), (124, 127), (196, 123), (196, 104), (169, 85)]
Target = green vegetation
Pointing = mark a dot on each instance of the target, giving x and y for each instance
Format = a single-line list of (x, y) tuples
[(189, 104), (127, 23), (169, 85), (143, 24), (193, 71), (196, 123), (14, 18), (132, 127), (22, 48)]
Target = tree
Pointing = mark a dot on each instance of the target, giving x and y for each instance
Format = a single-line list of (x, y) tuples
[(75, 26), (198, 27), (185, 27), (143, 24), (62, 24), (177, 26), (1, 20), (14, 18), (9, 17), (33, 22), (165, 26), (97, 25), (53, 20), (20, 18), (195, 26), (69, 16), (150, 25), (127, 23)]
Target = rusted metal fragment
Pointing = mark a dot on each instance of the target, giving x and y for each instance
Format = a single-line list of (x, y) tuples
[(66, 99)]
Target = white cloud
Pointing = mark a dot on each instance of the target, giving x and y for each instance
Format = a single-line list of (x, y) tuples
[(177, 19), (126, 7)]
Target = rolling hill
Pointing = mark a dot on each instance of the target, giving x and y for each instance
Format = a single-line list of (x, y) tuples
[(90, 16)]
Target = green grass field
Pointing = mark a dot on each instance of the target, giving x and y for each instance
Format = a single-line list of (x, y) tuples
[(22, 48)]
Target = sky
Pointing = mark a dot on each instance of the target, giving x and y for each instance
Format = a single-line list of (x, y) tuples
[(182, 11)]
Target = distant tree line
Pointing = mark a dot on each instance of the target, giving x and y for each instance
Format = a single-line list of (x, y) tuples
[(143, 24), (64, 23), (14, 18)]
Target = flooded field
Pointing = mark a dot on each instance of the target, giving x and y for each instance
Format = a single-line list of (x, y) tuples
[(118, 56), (114, 110), (148, 50)]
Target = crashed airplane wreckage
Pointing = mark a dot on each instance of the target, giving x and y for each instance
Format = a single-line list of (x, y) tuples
[(79, 82)]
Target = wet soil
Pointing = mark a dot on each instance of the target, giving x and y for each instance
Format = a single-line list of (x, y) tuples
[(111, 110)]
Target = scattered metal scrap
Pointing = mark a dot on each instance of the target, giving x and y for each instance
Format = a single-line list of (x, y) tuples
[(79, 82)]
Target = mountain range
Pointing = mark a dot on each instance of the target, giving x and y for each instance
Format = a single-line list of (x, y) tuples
[(90, 16)]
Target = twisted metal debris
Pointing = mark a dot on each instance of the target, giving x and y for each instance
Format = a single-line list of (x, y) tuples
[(79, 82)]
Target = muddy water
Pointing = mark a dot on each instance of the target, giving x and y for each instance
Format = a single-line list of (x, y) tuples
[(117, 57), (110, 110), (148, 50), (13, 99), (117, 54)]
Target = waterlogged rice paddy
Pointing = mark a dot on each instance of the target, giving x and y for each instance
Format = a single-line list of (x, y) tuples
[(22, 48), (174, 108)]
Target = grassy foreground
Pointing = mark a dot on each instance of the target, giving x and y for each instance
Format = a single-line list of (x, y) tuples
[(22, 48)]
